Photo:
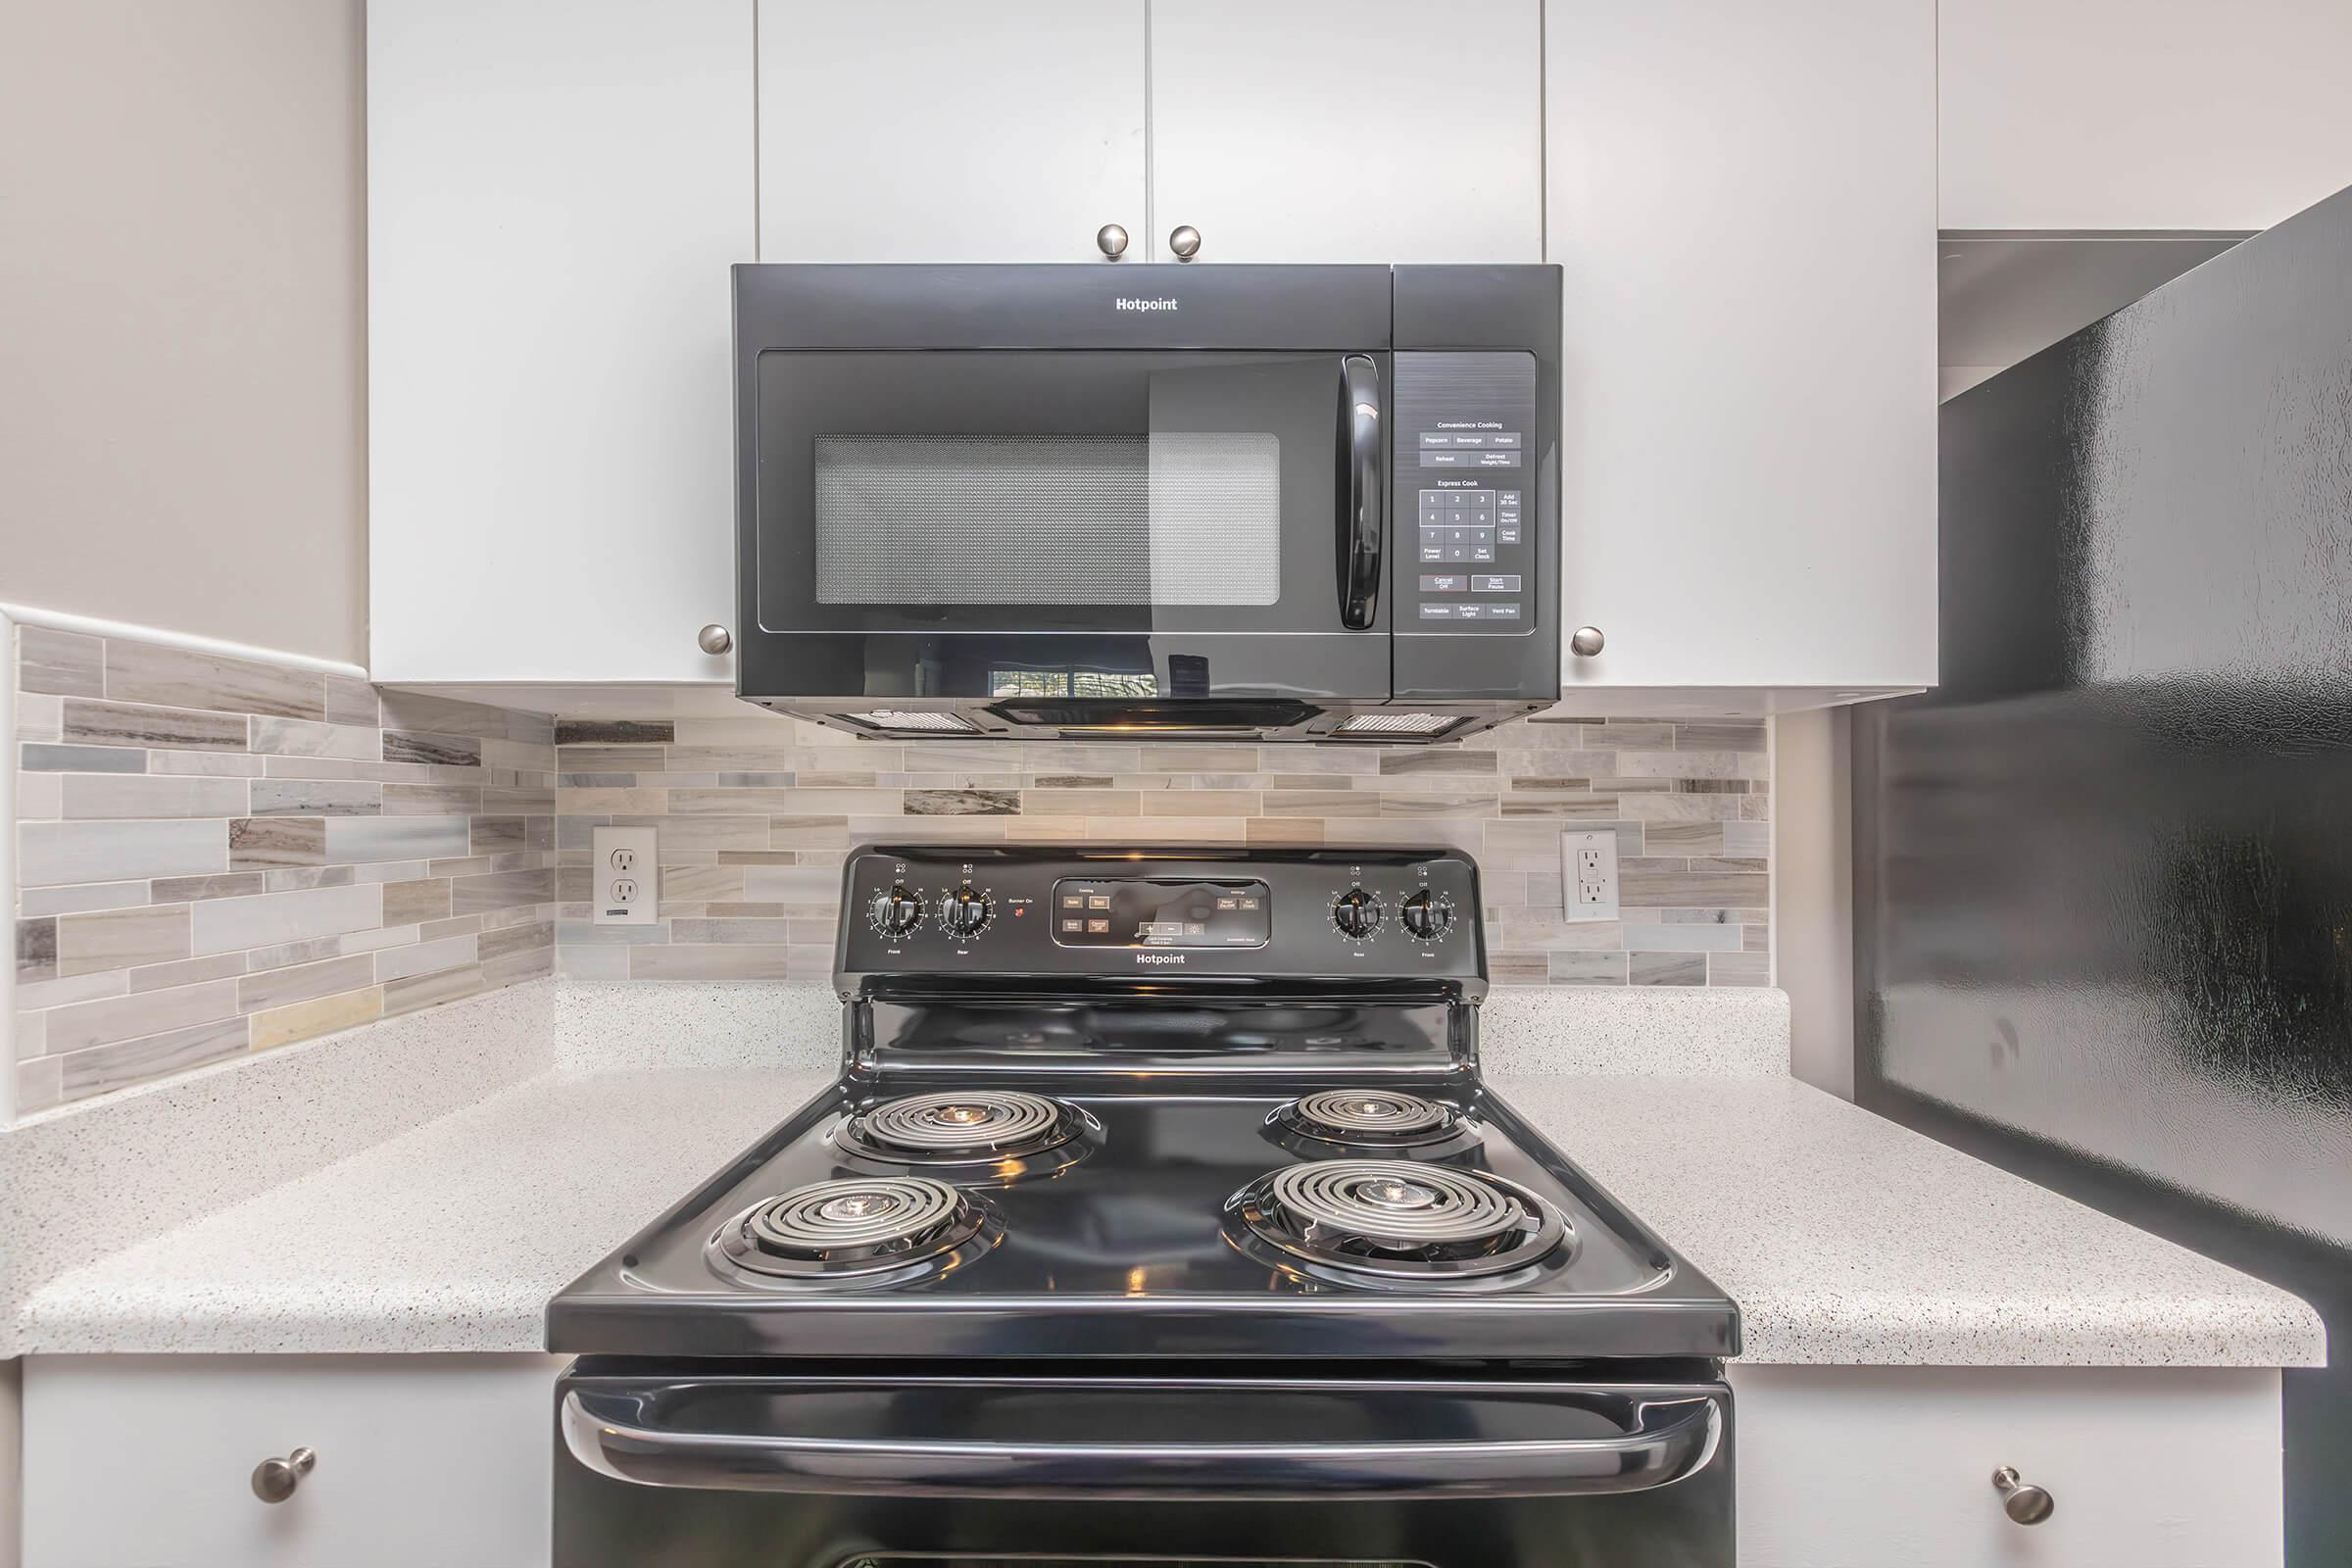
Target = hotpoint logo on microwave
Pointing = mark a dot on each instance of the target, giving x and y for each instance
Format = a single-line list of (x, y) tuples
[(1160, 957), (1124, 304)]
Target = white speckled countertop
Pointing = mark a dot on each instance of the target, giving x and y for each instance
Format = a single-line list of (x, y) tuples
[(1845, 1238), (450, 1237)]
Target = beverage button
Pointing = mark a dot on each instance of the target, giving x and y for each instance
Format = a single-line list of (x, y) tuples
[(1470, 438), (1507, 583), (1439, 611)]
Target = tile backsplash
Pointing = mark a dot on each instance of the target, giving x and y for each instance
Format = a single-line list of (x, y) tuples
[(756, 814), (217, 855)]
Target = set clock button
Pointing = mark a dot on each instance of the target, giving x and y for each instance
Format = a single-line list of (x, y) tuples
[(1426, 915), (895, 912)]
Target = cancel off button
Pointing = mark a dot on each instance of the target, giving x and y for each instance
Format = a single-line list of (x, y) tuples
[(1444, 583)]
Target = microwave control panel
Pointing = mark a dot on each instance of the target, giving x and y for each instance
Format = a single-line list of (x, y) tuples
[(1466, 444)]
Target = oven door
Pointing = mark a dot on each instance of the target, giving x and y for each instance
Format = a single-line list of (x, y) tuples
[(846, 1472), (1124, 523)]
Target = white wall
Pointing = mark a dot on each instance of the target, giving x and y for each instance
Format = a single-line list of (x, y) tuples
[(2142, 114), (181, 238), (1812, 886)]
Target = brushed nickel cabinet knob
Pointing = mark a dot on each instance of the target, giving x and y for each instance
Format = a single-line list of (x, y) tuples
[(1587, 640), (1185, 241), (275, 1480), (2022, 1500), (1112, 240), (715, 639)]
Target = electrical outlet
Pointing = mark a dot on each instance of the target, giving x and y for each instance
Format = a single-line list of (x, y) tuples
[(1589, 875), (624, 885)]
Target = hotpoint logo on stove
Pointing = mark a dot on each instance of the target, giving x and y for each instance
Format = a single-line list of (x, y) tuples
[(1160, 957), (1123, 302)]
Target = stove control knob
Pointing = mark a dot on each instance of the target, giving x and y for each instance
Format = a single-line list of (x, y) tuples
[(965, 913), (1356, 912), (898, 912), (1426, 915)]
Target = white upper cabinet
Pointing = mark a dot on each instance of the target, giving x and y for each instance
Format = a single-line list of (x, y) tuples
[(1742, 199), (2076, 114), (554, 196), (929, 131), (1372, 130)]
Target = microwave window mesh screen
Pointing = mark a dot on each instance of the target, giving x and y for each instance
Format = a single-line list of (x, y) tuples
[(1176, 518)]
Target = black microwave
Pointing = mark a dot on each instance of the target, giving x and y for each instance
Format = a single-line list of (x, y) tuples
[(1170, 501)]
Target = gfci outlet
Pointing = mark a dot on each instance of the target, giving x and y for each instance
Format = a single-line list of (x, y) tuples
[(624, 887), (1588, 876)]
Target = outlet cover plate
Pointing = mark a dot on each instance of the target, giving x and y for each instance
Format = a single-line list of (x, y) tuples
[(1589, 875), (624, 881)]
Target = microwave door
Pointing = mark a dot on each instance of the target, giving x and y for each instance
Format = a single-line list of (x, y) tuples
[(974, 523)]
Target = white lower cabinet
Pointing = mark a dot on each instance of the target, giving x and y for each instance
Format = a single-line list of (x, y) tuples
[(1868, 1467), (148, 1460)]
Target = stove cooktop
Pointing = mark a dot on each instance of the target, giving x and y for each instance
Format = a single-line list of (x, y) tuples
[(1182, 1105), (1054, 1217)]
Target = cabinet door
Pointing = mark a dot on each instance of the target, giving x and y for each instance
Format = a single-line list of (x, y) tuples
[(1373, 131), (1867, 1466), (148, 1460), (930, 130), (1743, 200), (555, 197)]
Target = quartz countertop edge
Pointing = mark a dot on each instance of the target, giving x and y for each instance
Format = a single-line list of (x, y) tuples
[(1845, 1238)]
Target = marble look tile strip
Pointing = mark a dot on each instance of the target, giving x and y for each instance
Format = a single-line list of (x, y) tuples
[(755, 815), (214, 865)]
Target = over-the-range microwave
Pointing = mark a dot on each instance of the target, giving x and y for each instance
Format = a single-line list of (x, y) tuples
[(1169, 502)]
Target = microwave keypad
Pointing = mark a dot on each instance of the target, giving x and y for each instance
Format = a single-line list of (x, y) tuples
[(1466, 477)]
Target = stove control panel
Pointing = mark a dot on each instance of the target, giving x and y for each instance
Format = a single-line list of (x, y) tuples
[(941, 911)]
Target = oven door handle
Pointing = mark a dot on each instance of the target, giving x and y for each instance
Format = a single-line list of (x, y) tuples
[(1363, 497), (1671, 1438)]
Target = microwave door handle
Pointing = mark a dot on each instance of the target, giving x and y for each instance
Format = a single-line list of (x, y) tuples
[(618, 1436), (1363, 496)]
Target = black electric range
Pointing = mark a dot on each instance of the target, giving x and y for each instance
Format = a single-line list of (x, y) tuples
[(1160, 1186)]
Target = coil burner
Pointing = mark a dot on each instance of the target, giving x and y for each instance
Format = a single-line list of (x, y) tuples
[(1354, 1121), (859, 1233), (990, 1136), (1397, 1223)]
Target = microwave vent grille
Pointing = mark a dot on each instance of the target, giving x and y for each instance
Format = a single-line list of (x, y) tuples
[(1420, 726), (917, 720)]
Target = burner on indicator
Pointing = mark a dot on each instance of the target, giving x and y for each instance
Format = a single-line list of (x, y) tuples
[(867, 1230), (1351, 1120), (983, 1134), (1369, 1221)]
